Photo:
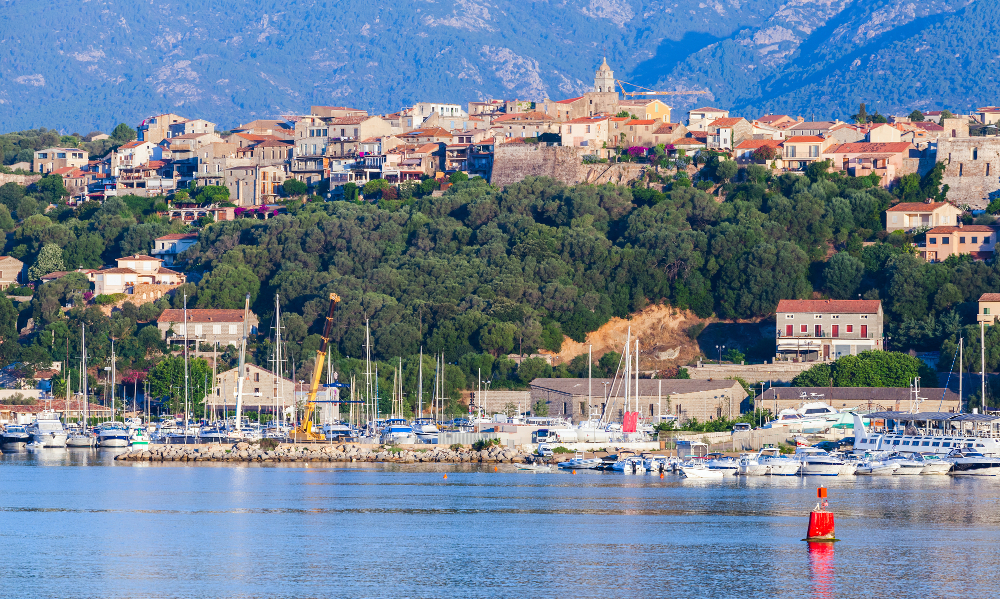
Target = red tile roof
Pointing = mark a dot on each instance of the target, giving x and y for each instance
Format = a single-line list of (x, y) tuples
[(804, 139), (753, 144), (916, 207), (725, 122), (829, 306), (350, 120), (666, 128), (896, 147), (139, 257), (990, 297), (707, 109), (569, 100), (641, 122), (201, 315)]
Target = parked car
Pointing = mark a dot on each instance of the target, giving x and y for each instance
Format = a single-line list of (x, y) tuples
[(742, 427), (544, 450)]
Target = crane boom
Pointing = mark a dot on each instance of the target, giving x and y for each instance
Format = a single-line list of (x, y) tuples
[(649, 92), (304, 432)]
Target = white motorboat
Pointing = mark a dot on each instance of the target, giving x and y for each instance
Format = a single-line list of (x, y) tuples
[(629, 465), (905, 465), (114, 434), (14, 437), (933, 464), (656, 463), (850, 465), (781, 465), (967, 462), (816, 462), (535, 467), (757, 464), (426, 430), (728, 466), (701, 471), (579, 462), (876, 466), (81, 439), (397, 431), (47, 430)]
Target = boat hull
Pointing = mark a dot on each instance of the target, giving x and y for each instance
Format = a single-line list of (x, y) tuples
[(702, 473), (80, 441), (808, 469)]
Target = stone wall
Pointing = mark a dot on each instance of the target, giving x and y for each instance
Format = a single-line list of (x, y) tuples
[(513, 162), (142, 294), (25, 180), (972, 169), (751, 373), (496, 401)]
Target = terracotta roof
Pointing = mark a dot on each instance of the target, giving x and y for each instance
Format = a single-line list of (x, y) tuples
[(586, 120), (895, 147), (964, 229), (770, 118), (667, 128), (689, 141), (707, 109), (175, 236), (916, 207), (201, 315), (814, 125), (350, 120), (928, 126), (64, 170), (117, 271), (725, 122), (990, 297), (139, 257), (641, 122), (426, 148), (132, 144), (569, 100), (804, 139), (753, 144), (829, 306), (166, 271), (989, 109)]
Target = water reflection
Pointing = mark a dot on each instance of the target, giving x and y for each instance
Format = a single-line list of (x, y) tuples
[(821, 569)]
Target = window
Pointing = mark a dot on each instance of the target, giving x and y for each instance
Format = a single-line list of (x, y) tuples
[(818, 316), (850, 328), (804, 329), (60, 154), (217, 329), (945, 240), (813, 151), (864, 331), (791, 151), (895, 218), (975, 240), (864, 317), (789, 331), (986, 239), (197, 329), (932, 240), (232, 329), (961, 240), (256, 377), (256, 390), (789, 316), (835, 316), (986, 310), (569, 128), (588, 128), (835, 331)]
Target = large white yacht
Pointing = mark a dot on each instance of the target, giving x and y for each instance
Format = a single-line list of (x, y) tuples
[(426, 430), (816, 462), (928, 432), (47, 430)]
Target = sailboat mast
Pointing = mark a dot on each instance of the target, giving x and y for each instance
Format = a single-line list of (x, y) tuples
[(241, 374), (185, 368), (637, 374), (420, 385), (113, 378), (83, 373)]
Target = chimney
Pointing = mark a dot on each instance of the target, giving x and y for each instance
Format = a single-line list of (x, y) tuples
[(960, 223)]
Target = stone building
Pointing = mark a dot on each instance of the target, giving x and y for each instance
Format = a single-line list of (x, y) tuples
[(263, 391), (51, 159), (207, 326), (10, 271), (972, 169), (576, 399)]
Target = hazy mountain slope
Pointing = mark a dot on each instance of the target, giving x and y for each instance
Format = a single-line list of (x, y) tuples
[(90, 63)]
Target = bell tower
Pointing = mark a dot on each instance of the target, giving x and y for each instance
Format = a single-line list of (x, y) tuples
[(604, 80)]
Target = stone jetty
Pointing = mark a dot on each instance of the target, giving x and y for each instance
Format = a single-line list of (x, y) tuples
[(291, 452)]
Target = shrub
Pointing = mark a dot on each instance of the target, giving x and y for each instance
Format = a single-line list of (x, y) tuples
[(268, 444), (562, 449), (106, 300), (455, 447), (18, 399)]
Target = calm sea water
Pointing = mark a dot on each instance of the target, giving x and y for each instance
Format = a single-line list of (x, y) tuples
[(75, 524)]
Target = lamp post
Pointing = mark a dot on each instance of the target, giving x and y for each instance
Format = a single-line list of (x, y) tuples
[(720, 348)]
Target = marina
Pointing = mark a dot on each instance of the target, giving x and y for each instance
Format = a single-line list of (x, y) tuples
[(205, 532)]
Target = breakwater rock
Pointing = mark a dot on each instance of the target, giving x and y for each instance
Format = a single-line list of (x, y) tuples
[(247, 452)]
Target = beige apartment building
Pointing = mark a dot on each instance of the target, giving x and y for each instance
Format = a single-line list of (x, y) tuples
[(10, 271), (989, 308), (50, 159), (262, 391), (915, 215), (208, 326), (809, 330), (979, 241), (646, 109), (157, 128)]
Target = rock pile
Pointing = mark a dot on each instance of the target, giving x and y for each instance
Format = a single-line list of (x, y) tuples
[(246, 452)]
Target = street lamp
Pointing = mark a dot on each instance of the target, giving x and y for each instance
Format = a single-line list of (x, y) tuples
[(720, 348)]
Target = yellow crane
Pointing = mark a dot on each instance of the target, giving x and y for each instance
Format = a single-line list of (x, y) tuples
[(305, 432), (648, 92)]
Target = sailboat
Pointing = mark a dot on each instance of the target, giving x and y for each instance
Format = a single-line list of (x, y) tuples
[(82, 437), (424, 428), (113, 433)]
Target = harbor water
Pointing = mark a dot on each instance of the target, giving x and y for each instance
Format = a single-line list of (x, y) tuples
[(77, 524)]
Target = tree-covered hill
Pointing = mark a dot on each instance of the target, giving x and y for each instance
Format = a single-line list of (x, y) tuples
[(478, 273)]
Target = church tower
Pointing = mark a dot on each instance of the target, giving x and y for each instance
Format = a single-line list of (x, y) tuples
[(604, 80)]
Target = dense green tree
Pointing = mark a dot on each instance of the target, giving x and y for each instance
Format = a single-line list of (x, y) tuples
[(6, 222), (123, 133), (843, 275), (226, 287), (294, 187), (166, 380), (916, 116), (49, 260), (8, 331)]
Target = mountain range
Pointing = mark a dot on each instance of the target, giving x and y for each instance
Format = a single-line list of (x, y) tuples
[(89, 64)]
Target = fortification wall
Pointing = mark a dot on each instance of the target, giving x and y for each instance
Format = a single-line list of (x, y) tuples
[(25, 180), (142, 294), (972, 169), (513, 162)]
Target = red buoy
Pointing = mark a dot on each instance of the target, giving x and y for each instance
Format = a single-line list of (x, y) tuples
[(821, 525)]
